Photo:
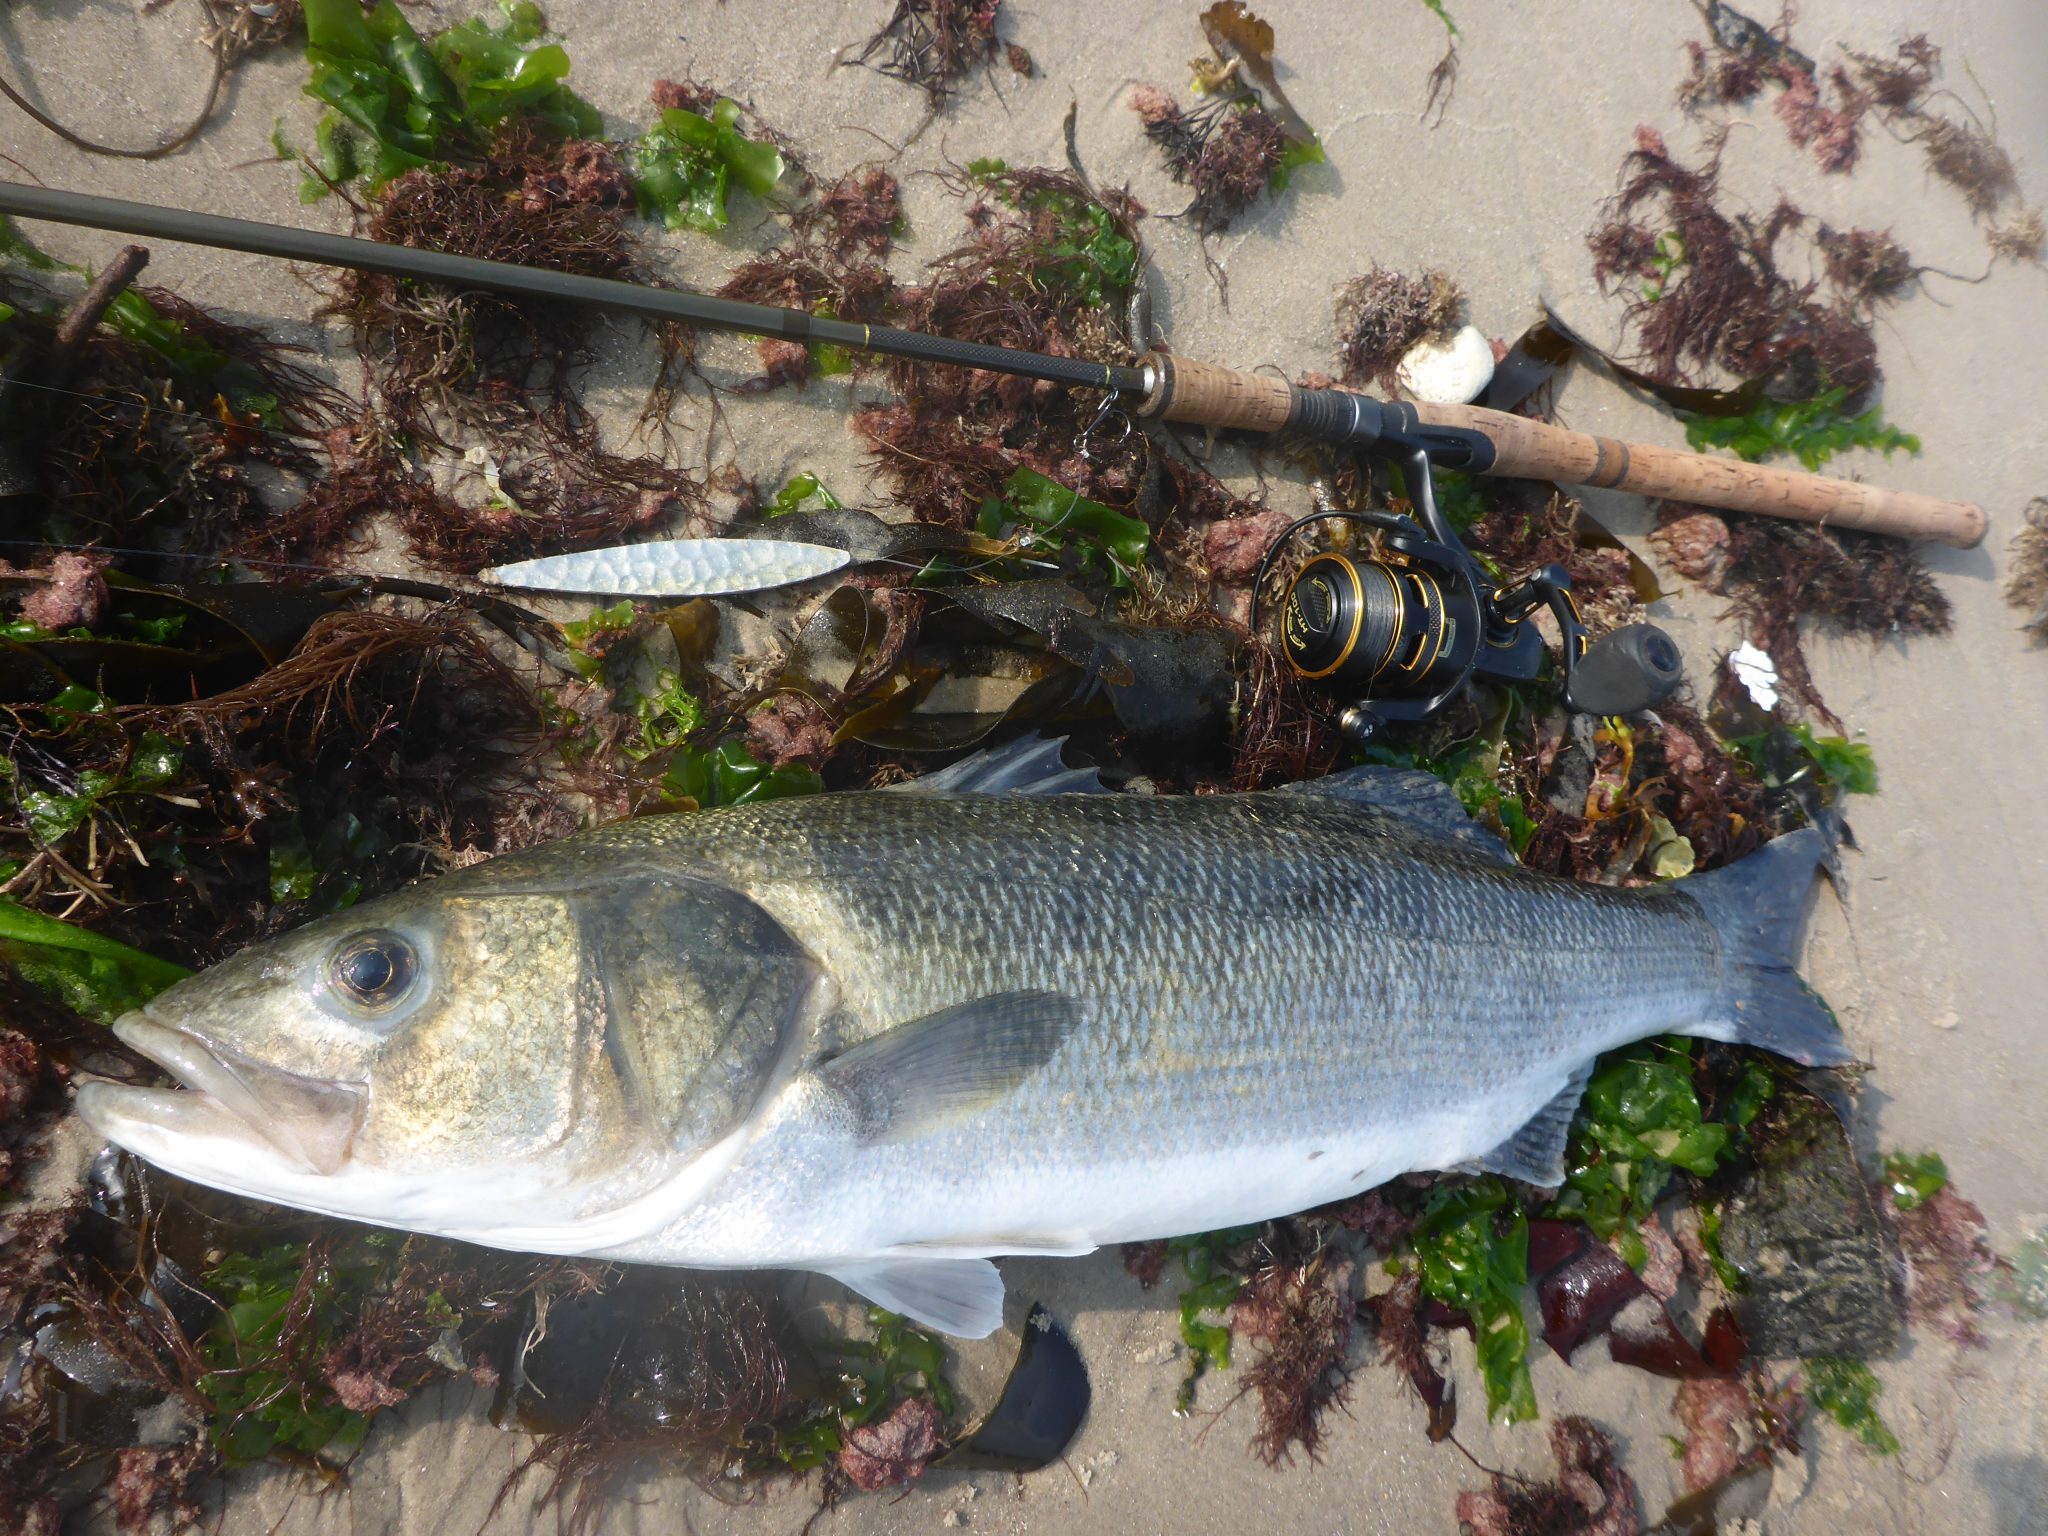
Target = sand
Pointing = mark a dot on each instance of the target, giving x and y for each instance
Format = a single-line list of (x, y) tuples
[(1935, 958)]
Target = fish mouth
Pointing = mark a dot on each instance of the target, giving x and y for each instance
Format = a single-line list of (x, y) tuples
[(310, 1122)]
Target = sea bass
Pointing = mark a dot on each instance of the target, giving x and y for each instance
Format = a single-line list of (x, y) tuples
[(888, 1035)]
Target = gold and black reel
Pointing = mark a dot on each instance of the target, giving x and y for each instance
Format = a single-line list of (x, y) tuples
[(1373, 626), (1401, 629)]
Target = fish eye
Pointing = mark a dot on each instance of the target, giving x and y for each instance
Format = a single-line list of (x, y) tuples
[(374, 970)]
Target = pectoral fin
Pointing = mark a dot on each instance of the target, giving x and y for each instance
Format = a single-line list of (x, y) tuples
[(935, 1071), (961, 1297)]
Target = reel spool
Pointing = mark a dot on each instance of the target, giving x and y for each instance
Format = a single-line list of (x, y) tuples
[(1403, 630)]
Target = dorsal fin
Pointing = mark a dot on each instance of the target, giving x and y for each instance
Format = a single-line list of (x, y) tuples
[(1421, 799), (1029, 765)]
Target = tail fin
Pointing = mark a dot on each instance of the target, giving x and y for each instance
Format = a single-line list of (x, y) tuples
[(1755, 906)]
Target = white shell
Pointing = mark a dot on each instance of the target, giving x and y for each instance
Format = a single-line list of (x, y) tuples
[(674, 568), (1454, 372), (1755, 670)]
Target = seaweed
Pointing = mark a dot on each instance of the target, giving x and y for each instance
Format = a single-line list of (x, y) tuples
[(1715, 297), (1301, 1316), (1848, 1390), (1039, 247), (161, 415), (1241, 143), (683, 167), (828, 268), (1443, 76), (1867, 267), (1043, 518), (93, 975), (1812, 430), (1382, 315), (1640, 1121), (1395, 1317), (1780, 576), (1592, 1496), (932, 44), (432, 351), (2026, 582), (1949, 1262), (1471, 1246), (397, 103), (1228, 151)]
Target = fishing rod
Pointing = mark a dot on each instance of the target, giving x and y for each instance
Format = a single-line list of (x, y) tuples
[(1161, 387), (1400, 629)]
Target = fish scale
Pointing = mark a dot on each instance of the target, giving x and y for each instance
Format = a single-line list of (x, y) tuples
[(1247, 965)]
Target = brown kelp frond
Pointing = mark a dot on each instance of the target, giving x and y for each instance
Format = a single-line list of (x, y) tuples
[(1301, 1315), (1383, 314), (932, 44)]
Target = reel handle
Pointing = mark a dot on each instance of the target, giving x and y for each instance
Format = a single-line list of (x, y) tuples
[(1627, 670)]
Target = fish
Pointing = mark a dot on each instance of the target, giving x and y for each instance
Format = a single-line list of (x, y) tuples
[(890, 1035)]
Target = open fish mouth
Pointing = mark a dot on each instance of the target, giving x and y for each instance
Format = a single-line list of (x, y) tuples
[(311, 1123)]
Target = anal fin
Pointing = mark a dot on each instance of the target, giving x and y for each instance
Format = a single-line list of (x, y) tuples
[(960, 1297), (1535, 1153)]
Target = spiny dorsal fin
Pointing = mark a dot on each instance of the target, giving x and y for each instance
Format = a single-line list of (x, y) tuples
[(922, 1076), (1029, 765), (961, 1297), (1421, 799), (1535, 1153)]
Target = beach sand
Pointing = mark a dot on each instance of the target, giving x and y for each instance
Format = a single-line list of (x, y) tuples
[(1934, 957)]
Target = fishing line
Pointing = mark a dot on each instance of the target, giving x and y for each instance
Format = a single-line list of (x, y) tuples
[(103, 397)]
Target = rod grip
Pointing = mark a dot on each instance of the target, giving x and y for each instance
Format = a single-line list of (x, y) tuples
[(1209, 395), (1539, 451)]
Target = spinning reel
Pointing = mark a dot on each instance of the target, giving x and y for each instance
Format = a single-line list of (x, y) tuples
[(1403, 630)]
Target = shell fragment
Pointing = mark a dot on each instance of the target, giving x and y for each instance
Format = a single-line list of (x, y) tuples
[(1450, 372), (674, 568)]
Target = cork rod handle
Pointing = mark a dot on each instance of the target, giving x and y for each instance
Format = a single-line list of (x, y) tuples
[(1208, 395), (1539, 451)]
